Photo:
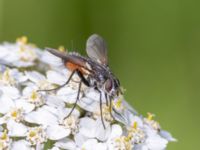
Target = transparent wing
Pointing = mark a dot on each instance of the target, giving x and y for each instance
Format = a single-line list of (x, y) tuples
[(96, 49), (57, 53)]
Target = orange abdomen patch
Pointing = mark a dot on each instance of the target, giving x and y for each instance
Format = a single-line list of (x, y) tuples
[(73, 67)]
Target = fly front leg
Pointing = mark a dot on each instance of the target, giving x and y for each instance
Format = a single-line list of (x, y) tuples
[(109, 104), (110, 108), (59, 87), (115, 111), (106, 96)]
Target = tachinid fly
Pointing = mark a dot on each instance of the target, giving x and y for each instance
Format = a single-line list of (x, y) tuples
[(92, 70)]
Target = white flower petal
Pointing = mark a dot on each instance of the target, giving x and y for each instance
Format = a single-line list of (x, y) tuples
[(57, 132), (16, 129), (141, 147), (50, 109), (19, 77), (88, 104), (136, 119), (27, 90), (4, 52), (80, 139), (27, 107), (54, 101), (39, 146), (41, 116), (101, 146), (130, 118), (116, 131), (93, 94), (92, 144), (7, 104), (54, 148), (21, 144), (87, 127), (66, 144), (35, 76), (67, 94), (101, 133), (56, 77), (156, 143), (63, 112), (167, 135), (2, 120), (10, 91)]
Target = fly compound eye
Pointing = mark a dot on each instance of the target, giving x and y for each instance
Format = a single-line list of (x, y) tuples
[(108, 85)]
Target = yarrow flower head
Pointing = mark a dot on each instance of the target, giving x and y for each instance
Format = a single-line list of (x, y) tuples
[(42, 109), (36, 135), (5, 141), (20, 54)]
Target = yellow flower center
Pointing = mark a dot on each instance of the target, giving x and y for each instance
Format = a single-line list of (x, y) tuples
[(4, 136), (1, 145), (34, 95), (117, 140), (70, 121), (14, 114), (61, 48), (6, 78), (23, 40), (6, 75), (150, 116), (135, 125), (24, 59), (125, 142), (118, 104), (32, 134)]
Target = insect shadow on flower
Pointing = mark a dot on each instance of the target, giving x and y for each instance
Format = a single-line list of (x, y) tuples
[(93, 71)]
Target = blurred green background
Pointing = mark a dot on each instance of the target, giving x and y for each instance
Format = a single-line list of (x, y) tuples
[(154, 49)]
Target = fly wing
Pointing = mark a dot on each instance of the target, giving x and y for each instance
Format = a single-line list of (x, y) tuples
[(57, 53), (96, 49), (74, 59)]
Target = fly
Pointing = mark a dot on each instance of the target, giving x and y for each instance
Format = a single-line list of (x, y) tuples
[(93, 71)]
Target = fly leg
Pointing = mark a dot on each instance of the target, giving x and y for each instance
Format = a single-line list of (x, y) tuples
[(119, 114), (83, 80), (101, 112), (77, 98), (111, 108), (109, 104), (59, 87), (87, 83), (106, 96)]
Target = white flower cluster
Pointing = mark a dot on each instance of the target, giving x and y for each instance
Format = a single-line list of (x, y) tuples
[(32, 119)]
